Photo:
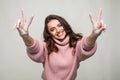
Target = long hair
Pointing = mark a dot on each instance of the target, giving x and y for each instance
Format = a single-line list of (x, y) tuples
[(50, 44)]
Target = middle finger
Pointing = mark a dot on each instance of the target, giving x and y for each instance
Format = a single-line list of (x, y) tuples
[(99, 15)]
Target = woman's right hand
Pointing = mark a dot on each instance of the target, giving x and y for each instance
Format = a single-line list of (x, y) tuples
[(22, 25)]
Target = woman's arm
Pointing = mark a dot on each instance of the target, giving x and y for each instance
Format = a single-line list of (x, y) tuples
[(28, 40), (35, 49)]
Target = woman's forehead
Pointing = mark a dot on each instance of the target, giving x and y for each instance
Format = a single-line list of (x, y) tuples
[(53, 22)]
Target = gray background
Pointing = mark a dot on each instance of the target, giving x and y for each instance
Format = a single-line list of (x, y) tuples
[(16, 65)]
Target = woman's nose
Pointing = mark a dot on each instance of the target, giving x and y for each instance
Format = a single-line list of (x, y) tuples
[(58, 30)]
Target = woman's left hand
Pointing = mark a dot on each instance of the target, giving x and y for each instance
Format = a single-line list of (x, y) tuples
[(98, 25)]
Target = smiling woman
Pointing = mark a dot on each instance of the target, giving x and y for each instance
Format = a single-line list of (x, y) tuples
[(62, 49), (58, 28)]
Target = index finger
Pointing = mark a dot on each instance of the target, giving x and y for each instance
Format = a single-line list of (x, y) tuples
[(23, 15), (99, 14), (91, 18)]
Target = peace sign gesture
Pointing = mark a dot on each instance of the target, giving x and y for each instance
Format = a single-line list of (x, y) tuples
[(22, 25), (98, 25)]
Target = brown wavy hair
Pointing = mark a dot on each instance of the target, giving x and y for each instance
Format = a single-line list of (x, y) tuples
[(50, 43)]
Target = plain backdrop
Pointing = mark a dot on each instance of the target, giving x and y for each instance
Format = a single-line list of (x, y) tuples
[(16, 65)]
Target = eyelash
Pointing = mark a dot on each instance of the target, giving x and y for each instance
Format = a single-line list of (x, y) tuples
[(52, 30), (59, 25)]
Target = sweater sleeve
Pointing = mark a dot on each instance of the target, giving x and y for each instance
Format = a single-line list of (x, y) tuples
[(83, 50), (37, 51)]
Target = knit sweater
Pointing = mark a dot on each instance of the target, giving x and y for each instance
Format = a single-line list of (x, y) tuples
[(61, 65)]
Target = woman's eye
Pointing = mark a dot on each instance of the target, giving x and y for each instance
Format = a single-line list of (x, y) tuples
[(59, 25), (52, 29)]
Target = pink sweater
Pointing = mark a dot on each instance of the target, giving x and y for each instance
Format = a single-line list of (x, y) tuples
[(62, 65)]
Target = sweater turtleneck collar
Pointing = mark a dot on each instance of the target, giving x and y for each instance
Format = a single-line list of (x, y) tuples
[(62, 43)]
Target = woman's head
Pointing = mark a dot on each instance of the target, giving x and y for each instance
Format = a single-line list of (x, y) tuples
[(58, 28)]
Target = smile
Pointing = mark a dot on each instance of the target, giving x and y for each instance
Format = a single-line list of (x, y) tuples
[(60, 33)]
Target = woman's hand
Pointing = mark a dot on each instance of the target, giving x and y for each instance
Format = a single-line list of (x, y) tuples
[(22, 25), (98, 25)]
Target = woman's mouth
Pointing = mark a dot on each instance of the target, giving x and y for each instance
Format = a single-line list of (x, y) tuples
[(60, 34)]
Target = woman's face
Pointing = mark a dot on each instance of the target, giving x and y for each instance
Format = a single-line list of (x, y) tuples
[(56, 29)]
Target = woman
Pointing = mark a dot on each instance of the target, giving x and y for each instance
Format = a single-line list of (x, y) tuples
[(62, 49)]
